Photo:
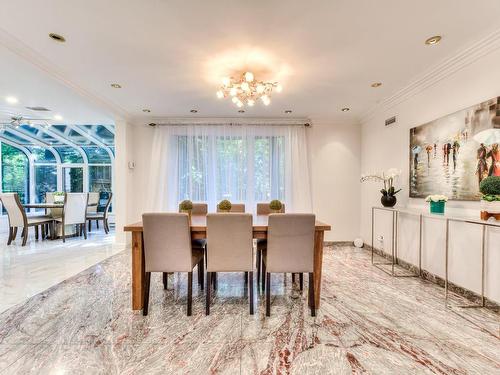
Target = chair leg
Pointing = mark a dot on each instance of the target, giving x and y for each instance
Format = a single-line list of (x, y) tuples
[(36, 232), (207, 293), (84, 227), (43, 231), (97, 223), (214, 275), (190, 294), (22, 232), (147, 282), (165, 280), (268, 294), (263, 272), (90, 225), (250, 286), (258, 262), (293, 278), (312, 301), (201, 266), (63, 232), (246, 278), (11, 232), (25, 235), (301, 281), (105, 225), (14, 233)]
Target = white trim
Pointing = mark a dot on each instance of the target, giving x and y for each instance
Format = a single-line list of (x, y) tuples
[(229, 121), (36, 142), (445, 68)]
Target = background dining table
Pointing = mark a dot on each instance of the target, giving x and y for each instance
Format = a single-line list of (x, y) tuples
[(199, 231), (51, 205)]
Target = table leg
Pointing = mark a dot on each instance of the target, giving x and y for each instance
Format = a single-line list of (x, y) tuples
[(318, 265), (137, 270)]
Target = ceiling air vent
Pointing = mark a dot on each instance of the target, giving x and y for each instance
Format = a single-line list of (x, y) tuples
[(39, 109), (390, 121)]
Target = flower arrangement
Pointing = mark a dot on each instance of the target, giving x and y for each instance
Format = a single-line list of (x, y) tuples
[(275, 205), (437, 203), (186, 205), (59, 196), (388, 178), (490, 201), (225, 205)]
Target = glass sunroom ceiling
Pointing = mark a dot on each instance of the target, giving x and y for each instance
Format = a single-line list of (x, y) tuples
[(38, 134), (14, 138), (101, 132)]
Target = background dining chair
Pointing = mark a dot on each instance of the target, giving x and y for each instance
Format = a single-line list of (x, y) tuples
[(264, 209), (18, 218), (230, 249), (74, 213), (54, 212), (235, 207), (92, 206), (198, 209), (101, 215), (290, 248), (167, 248)]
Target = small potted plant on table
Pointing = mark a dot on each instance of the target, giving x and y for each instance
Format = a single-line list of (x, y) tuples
[(437, 203), (490, 202), (224, 206), (186, 206), (59, 196), (275, 206)]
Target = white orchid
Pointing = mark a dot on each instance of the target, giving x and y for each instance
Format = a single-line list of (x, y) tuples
[(436, 198), (387, 178)]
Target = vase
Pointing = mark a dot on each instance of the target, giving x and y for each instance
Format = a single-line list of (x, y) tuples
[(490, 209), (437, 207), (388, 200)]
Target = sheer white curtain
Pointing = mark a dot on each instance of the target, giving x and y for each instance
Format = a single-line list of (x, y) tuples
[(242, 163)]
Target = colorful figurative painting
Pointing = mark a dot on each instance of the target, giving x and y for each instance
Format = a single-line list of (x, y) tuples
[(451, 155)]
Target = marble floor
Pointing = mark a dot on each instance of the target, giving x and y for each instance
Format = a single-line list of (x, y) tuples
[(368, 323), (28, 270)]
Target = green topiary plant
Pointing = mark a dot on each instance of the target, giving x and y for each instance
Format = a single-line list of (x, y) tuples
[(186, 205), (225, 205), (490, 187), (59, 193), (275, 205)]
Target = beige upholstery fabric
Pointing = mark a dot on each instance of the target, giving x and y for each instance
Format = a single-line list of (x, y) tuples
[(235, 207), (54, 212), (93, 199), (167, 243), (75, 208), (11, 203), (263, 209), (229, 242), (198, 209), (290, 243)]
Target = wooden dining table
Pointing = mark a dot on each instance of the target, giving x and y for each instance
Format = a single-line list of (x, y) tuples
[(51, 205), (199, 231)]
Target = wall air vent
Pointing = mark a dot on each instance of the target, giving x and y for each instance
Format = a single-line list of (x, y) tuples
[(390, 121), (39, 109)]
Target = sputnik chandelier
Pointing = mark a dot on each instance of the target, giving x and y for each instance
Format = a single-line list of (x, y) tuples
[(246, 90)]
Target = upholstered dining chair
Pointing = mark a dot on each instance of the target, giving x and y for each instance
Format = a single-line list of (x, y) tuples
[(290, 248), (198, 209), (54, 212), (235, 207), (74, 213), (18, 218), (230, 249), (167, 248), (264, 209), (101, 215), (92, 206)]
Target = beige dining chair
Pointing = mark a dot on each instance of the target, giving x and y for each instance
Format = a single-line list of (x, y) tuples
[(198, 209), (235, 207), (99, 216), (93, 204), (167, 248), (18, 218), (74, 213), (290, 248), (54, 212), (264, 209), (229, 249)]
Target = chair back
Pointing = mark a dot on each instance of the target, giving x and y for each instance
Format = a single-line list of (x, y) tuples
[(167, 242), (108, 204), (198, 209), (229, 242), (290, 243), (94, 201), (235, 207), (264, 209), (14, 208), (54, 212), (75, 208)]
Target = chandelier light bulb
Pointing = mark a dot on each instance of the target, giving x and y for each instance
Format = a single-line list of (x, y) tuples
[(233, 91), (226, 81), (251, 102), (279, 88), (239, 104), (235, 100), (220, 94), (260, 89), (245, 86), (249, 76)]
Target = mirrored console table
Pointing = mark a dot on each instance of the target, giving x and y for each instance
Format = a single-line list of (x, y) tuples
[(422, 214)]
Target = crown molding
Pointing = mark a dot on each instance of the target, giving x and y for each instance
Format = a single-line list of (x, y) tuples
[(442, 70), (223, 121), (27, 53)]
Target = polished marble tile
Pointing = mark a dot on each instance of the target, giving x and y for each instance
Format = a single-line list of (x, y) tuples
[(368, 323)]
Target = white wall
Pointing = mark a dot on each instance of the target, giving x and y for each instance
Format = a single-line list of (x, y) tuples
[(384, 147), (334, 157)]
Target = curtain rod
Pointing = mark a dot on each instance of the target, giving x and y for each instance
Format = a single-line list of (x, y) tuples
[(230, 121)]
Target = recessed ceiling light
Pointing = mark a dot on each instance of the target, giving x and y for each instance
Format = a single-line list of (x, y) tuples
[(116, 86), (288, 111), (433, 40), (11, 99), (194, 111), (145, 110), (376, 84), (58, 117), (241, 111), (57, 37), (345, 109)]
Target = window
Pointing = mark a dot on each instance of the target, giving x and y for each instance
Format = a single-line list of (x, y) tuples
[(15, 172), (69, 155), (45, 181), (100, 178), (72, 179)]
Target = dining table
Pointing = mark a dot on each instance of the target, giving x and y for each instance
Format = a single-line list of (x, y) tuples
[(198, 226), (51, 205)]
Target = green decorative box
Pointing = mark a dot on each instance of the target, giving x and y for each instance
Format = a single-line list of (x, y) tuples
[(437, 207)]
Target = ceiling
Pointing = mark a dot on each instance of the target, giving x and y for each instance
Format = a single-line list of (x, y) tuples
[(170, 55)]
